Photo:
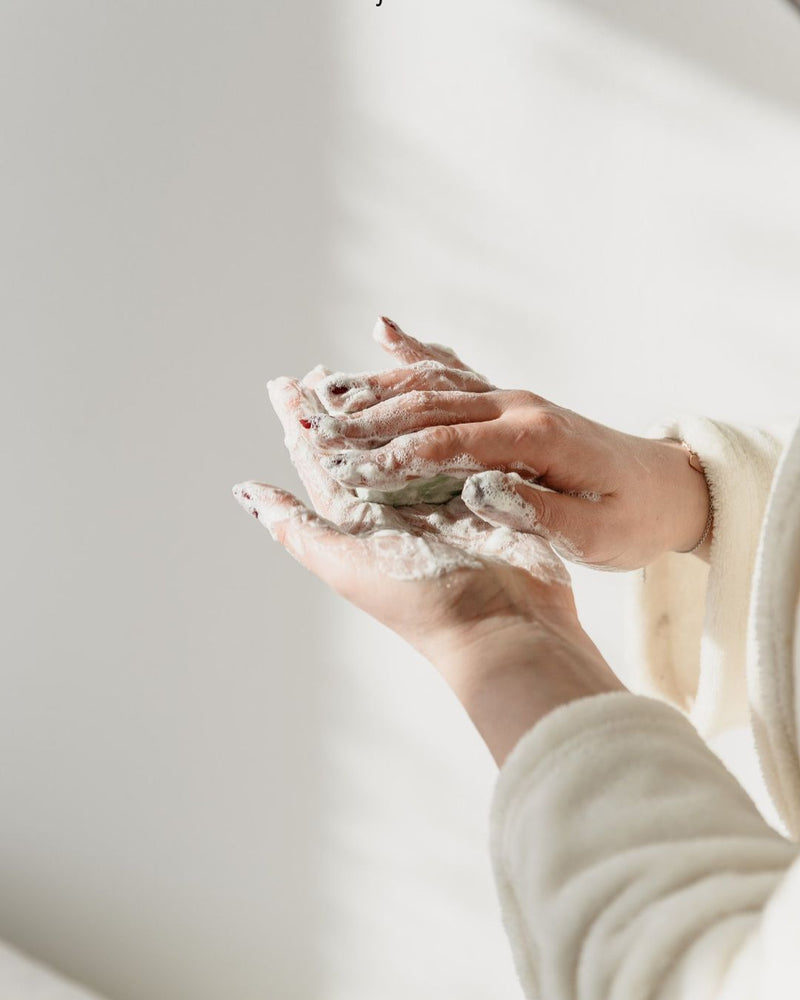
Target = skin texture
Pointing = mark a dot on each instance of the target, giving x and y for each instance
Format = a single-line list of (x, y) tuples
[(600, 496), (493, 610)]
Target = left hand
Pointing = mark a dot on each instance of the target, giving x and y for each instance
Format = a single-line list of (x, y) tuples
[(471, 597)]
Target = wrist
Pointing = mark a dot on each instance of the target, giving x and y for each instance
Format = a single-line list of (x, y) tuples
[(688, 501), (510, 677)]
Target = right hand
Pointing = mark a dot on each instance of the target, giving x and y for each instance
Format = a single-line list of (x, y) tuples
[(599, 496)]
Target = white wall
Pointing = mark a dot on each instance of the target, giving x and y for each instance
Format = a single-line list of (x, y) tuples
[(218, 779)]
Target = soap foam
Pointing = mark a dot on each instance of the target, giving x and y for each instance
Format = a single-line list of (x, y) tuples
[(344, 392), (417, 542), (381, 424), (495, 496), (395, 466)]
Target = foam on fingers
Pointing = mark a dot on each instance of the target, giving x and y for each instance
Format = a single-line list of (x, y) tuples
[(495, 497), (390, 337), (339, 557), (351, 392), (407, 349), (393, 418), (454, 524), (291, 400), (269, 505), (316, 543), (395, 466), (505, 499)]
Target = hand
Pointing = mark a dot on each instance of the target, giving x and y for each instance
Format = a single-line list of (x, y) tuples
[(473, 598), (599, 496)]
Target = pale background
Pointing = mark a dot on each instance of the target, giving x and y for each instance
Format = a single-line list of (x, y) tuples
[(217, 779)]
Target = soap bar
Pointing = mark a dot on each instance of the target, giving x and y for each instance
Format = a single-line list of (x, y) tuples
[(439, 489)]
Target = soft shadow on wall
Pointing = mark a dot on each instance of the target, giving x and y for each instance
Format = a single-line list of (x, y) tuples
[(165, 250), (753, 43)]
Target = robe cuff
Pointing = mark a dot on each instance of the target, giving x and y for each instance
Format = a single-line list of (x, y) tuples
[(687, 644)]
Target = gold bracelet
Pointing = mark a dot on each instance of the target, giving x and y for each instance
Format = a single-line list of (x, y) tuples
[(697, 465)]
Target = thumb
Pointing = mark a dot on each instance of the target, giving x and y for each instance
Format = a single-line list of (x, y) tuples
[(407, 349), (506, 500)]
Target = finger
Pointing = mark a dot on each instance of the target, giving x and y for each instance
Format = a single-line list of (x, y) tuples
[(405, 414), (426, 454), (292, 401), (316, 543), (507, 500), (406, 349), (355, 566), (455, 450), (351, 393)]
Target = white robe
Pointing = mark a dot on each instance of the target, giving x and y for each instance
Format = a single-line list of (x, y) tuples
[(629, 862)]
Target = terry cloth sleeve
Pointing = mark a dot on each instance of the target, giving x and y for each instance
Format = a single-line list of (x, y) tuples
[(631, 865), (688, 619)]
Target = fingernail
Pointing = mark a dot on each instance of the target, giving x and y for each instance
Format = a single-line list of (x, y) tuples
[(387, 332), (338, 389), (310, 423), (260, 501), (244, 496), (265, 504)]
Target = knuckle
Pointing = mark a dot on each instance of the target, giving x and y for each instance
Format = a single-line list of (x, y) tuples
[(516, 397), (521, 399), (419, 399), (346, 426), (547, 422), (441, 441)]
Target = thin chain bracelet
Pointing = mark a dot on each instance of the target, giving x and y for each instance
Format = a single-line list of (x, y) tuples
[(696, 464)]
